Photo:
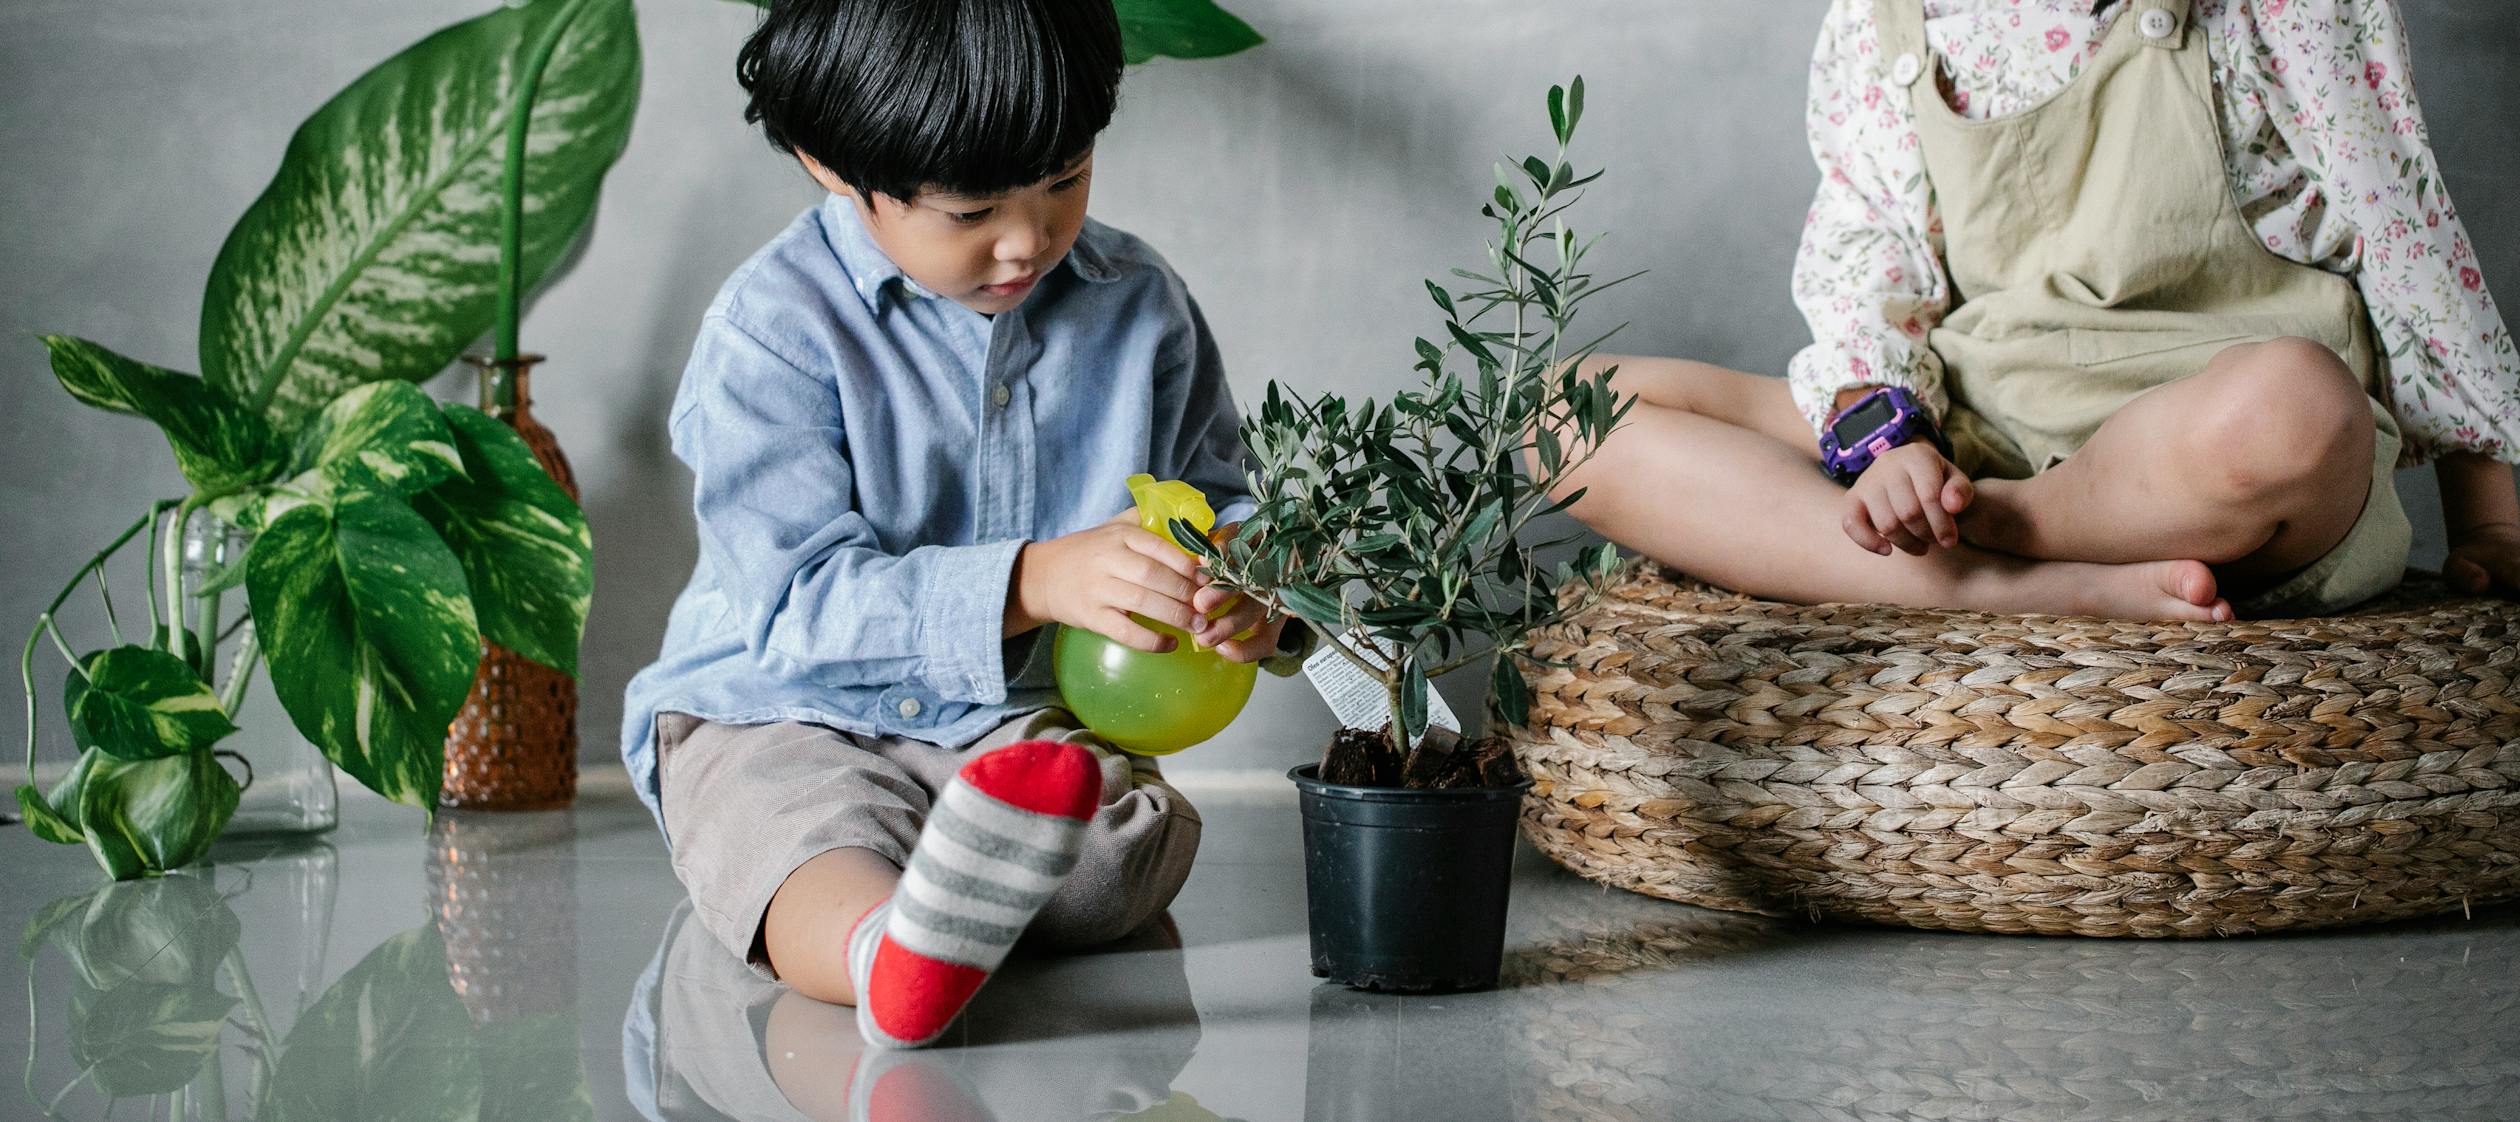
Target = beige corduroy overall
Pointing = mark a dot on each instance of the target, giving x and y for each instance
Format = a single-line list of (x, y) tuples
[(2096, 252)]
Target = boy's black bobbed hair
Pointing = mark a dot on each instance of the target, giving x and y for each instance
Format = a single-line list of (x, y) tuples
[(970, 97)]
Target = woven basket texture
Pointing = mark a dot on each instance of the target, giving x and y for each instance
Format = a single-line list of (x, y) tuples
[(2031, 774)]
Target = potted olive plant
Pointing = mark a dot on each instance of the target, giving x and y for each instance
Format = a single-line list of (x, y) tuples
[(1395, 530), (377, 534)]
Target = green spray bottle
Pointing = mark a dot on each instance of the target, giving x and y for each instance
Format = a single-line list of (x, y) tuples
[(1152, 704)]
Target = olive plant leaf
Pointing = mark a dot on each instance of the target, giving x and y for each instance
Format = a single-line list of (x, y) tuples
[(388, 1041), (219, 444), (136, 703), (370, 636), (373, 253), (383, 436), (523, 542), (155, 815)]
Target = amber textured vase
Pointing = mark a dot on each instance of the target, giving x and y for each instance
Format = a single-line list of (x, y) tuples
[(514, 745)]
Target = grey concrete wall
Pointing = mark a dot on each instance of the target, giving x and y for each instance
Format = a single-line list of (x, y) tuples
[(1302, 188)]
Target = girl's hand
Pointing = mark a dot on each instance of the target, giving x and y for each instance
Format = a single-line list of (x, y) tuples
[(1907, 500), (2485, 559)]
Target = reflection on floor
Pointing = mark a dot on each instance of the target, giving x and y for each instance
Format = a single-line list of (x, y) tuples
[(541, 967)]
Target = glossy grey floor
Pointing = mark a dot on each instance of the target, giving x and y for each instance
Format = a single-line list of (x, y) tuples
[(534, 967)]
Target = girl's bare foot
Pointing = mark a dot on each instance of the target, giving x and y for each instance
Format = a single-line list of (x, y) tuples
[(2148, 590)]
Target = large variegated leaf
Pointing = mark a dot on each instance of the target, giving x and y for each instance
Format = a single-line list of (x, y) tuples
[(155, 815), (390, 1040), (370, 635), (373, 254), (383, 436), (136, 703), (523, 542), (219, 444)]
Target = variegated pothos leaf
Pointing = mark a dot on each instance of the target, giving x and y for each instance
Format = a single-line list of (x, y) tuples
[(219, 444), (370, 634), (383, 436), (138, 703), (523, 542)]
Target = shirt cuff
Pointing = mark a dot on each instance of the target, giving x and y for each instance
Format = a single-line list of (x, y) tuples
[(962, 640)]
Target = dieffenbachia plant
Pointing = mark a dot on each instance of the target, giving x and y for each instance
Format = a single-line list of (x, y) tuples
[(1395, 529), (390, 533)]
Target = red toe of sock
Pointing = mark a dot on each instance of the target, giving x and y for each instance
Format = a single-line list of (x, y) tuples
[(913, 997), (1043, 776)]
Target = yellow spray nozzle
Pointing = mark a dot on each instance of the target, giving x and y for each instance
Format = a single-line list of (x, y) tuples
[(1159, 503)]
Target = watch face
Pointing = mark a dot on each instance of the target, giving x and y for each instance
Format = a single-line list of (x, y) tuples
[(1863, 420)]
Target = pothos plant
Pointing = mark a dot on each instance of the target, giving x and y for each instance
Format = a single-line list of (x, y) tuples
[(1396, 529), (389, 534)]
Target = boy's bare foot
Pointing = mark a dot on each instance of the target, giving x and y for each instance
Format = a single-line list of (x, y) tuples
[(2149, 590)]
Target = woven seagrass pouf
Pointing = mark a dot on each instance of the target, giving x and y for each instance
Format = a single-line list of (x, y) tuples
[(2031, 774)]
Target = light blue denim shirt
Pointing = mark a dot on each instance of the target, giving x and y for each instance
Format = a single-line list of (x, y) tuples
[(868, 457)]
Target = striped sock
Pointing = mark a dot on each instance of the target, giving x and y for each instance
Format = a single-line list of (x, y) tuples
[(997, 843)]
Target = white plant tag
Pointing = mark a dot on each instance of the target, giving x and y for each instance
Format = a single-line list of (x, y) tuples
[(1357, 700)]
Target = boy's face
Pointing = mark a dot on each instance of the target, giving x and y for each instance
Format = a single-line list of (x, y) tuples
[(986, 254)]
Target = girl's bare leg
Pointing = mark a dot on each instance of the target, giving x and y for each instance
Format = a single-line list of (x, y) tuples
[(2258, 465), (805, 933), (1714, 473)]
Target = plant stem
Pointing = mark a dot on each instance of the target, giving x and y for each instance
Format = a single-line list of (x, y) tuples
[(43, 621), (512, 185), (241, 670), (172, 570), (234, 966), (111, 623)]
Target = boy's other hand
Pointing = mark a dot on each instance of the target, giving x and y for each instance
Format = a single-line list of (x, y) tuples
[(1243, 632), (2485, 559), (1095, 579), (1907, 500)]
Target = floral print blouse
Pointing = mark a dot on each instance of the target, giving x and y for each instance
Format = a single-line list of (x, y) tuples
[(2323, 144)]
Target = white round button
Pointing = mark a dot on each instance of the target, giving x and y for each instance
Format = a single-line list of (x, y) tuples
[(1905, 69), (1001, 395), (909, 707), (2157, 24)]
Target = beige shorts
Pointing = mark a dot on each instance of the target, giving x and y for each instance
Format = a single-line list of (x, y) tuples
[(745, 805)]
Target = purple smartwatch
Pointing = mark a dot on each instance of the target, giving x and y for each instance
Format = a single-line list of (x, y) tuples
[(1879, 421)]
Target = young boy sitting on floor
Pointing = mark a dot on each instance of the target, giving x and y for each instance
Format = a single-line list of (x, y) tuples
[(908, 418)]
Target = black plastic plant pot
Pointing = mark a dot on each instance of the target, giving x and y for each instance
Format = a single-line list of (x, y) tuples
[(1407, 889)]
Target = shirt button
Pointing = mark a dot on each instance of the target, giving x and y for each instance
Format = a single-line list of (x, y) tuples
[(2157, 24), (1906, 69), (1000, 395), (908, 708)]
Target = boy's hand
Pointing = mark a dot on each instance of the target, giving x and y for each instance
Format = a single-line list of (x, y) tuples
[(1245, 632), (1095, 578), (2485, 559), (1906, 500)]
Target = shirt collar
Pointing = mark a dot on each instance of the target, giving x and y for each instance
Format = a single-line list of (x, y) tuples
[(871, 271)]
